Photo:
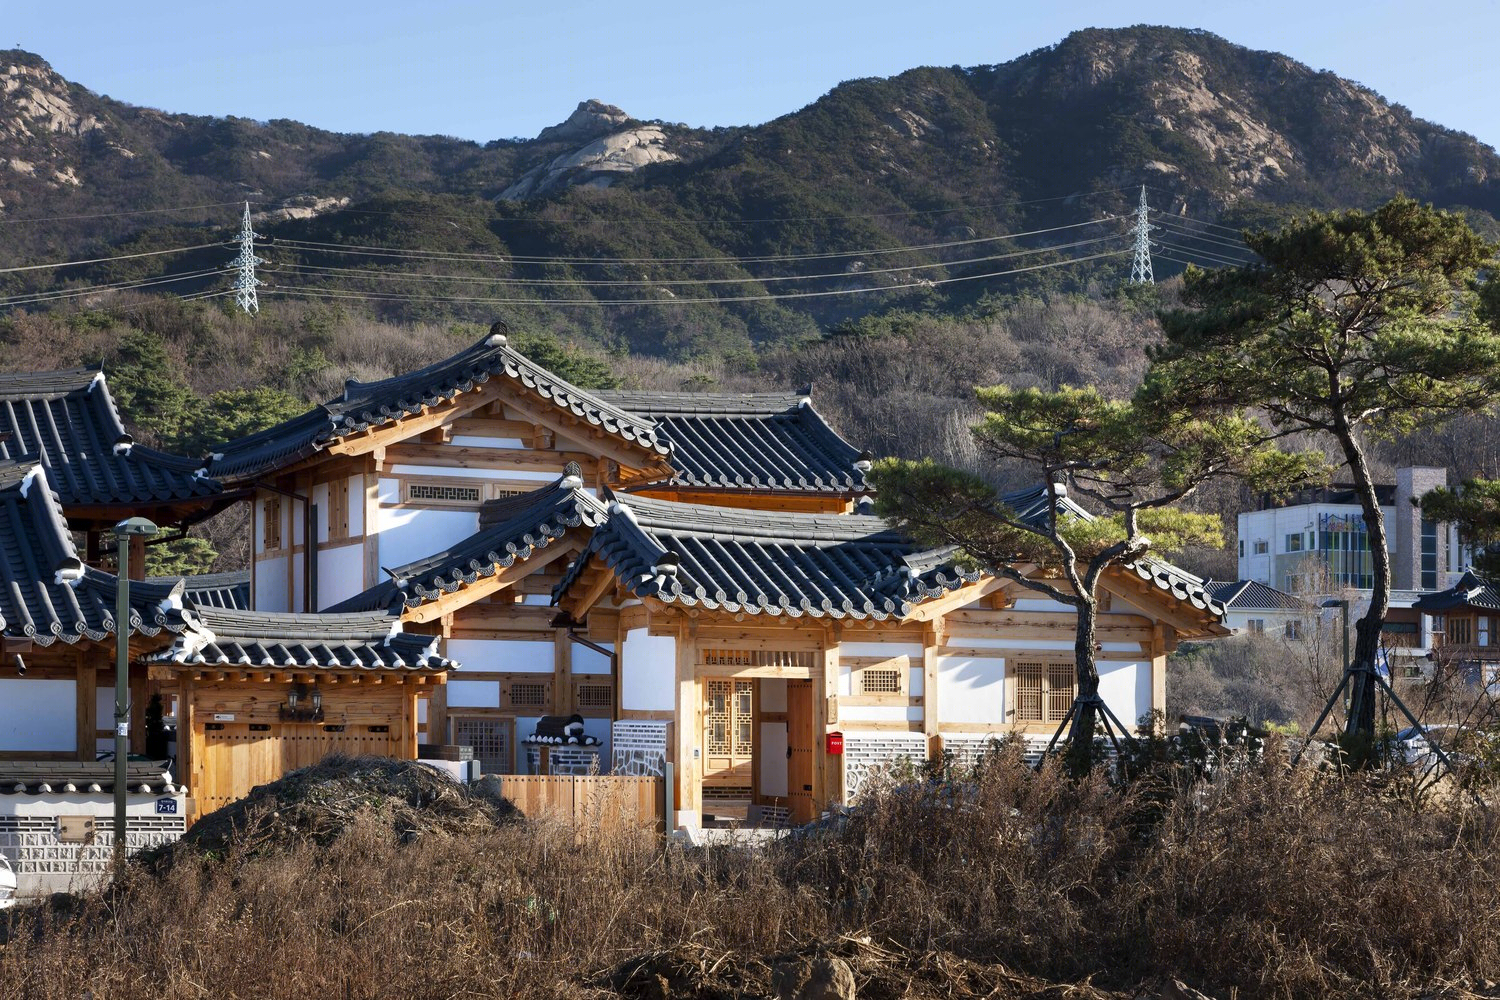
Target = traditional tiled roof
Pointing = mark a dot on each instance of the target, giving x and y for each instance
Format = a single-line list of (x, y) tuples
[(1031, 505), (47, 595), (260, 639), (1251, 595), (749, 441), (215, 590), (759, 562), (68, 422), (69, 777), (1471, 591), (367, 405), (510, 529)]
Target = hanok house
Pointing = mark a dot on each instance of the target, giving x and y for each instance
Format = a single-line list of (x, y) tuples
[(1465, 620)]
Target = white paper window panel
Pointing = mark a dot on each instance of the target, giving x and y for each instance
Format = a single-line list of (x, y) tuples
[(772, 756), (773, 697), (104, 700)]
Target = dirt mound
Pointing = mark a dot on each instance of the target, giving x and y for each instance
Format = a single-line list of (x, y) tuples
[(318, 803), (848, 967)]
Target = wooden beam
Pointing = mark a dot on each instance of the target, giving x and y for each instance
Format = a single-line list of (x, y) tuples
[(562, 672), (932, 639), (962, 597), (604, 579), (482, 588)]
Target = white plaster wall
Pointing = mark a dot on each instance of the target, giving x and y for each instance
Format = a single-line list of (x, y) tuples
[(1041, 604), (341, 573), (270, 585), (916, 681), (885, 649), (409, 534), (481, 441), (852, 714), (473, 694), (39, 715), (586, 661), (451, 472), (511, 655), (648, 672), (1126, 689), (1053, 645), (846, 680), (356, 505), (971, 689)]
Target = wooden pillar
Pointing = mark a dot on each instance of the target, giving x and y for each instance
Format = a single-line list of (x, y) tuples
[(689, 724), (437, 699), (828, 775), (372, 517), (409, 719), (87, 685), (137, 557), (932, 638), (137, 685), (562, 672), (189, 757)]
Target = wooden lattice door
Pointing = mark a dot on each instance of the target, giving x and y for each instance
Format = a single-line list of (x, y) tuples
[(728, 737), (801, 746)]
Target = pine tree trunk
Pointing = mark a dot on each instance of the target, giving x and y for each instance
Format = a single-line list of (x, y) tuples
[(1085, 720), (1361, 721)]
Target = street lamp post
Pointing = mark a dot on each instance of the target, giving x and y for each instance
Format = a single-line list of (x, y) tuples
[(124, 531)]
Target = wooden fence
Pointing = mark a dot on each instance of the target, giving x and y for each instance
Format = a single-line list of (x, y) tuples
[(601, 803)]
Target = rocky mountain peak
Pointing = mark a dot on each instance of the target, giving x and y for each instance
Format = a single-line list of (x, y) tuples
[(590, 120)]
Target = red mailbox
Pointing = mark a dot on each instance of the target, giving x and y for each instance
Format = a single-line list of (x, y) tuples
[(835, 744)]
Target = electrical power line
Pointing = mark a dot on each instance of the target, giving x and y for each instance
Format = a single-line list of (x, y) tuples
[(706, 300), (1203, 253), (113, 215), (106, 260), (73, 293), (647, 282), (1181, 231)]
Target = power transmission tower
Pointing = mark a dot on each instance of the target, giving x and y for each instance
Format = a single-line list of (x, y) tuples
[(245, 282), (1140, 269)]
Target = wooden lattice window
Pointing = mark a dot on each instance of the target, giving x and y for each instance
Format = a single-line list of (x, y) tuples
[(880, 680), (529, 694), (1460, 631), (338, 509), (728, 714), (442, 493), (491, 740), (1044, 691), (271, 524), (595, 696)]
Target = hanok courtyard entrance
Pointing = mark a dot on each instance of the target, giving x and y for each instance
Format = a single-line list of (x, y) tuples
[(757, 739)]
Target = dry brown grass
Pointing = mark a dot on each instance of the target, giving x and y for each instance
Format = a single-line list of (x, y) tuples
[(1269, 882)]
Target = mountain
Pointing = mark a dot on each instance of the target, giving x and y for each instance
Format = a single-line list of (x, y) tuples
[(1057, 137)]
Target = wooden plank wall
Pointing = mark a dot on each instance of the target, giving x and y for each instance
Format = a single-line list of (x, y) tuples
[(590, 804)]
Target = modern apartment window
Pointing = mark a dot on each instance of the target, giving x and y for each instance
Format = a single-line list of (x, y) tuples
[(1256, 626), (1294, 629), (1483, 631), (1242, 548), (1294, 542), (1262, 547), (1429, 555)]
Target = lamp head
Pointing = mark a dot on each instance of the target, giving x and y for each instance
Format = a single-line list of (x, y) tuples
[(136, 526)]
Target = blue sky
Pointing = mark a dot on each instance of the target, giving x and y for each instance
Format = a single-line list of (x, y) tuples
[(501, 69)]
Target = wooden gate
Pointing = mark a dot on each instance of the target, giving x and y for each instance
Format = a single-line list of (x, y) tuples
[(801, 744), (238, 756), (728, 737), (596, 803)]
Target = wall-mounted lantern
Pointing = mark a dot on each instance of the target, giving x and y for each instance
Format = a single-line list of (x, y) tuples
[(304, 703)]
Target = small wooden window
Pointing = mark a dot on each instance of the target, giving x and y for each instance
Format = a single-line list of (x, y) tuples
[(1044, 691), (271, 524), (338, 509), (491, 740), (442, 494), (530, 694), (595, 696), (1460, 631), (880, 680)]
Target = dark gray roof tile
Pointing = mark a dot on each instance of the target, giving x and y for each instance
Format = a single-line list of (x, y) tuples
[(260, 640)]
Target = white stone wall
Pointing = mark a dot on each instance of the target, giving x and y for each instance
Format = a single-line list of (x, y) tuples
[(870, 753)]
